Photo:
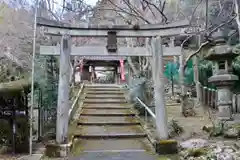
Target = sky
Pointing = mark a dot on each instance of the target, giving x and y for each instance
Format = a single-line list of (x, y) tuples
[(91, 2)]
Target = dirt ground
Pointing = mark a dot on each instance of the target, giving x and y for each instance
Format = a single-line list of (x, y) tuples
[(8, 157), (192, 126)]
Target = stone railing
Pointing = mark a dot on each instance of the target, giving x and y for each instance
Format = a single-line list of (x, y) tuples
[(209, 98), (76, 92), (236, 103)]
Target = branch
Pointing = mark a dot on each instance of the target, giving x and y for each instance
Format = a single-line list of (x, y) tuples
[(120, 10), (237, 16), (145, 66), (205, 43), (85, 8), (160, 11), (196, 52), (132, 9), (129, 59)]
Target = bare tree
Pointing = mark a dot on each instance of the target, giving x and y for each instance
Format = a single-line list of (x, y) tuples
[(16, 27)]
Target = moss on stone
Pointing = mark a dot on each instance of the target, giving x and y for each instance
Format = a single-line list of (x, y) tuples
[(169, 157), (52, 150), (76, 148), (236, 126), (169, 141), (197, 152), (167, 147), (208, 128), (163, 158)]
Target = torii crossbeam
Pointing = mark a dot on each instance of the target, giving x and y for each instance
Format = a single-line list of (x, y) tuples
[(102, 51), (148, 30)]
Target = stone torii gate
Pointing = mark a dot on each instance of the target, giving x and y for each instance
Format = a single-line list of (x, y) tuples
[(65, 50)]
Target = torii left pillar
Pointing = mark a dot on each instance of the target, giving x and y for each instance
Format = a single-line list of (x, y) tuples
[(63, 90)]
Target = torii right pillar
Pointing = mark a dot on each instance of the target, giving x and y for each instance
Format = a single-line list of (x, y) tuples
[(163, 144)]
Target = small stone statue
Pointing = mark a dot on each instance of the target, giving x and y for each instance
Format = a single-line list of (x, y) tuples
[(187, 106)]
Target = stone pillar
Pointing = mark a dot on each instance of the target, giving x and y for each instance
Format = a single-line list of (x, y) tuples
[(158, 79), (175, 59), (118, 75), (90, 69), (238, 103), (115, 75), (63, 91), (212, 98), (234, 106), (204, 95)]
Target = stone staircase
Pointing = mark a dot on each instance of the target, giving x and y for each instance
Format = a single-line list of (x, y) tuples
[(107, 123)]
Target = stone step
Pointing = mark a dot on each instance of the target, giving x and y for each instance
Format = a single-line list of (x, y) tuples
[(109, 136), (29, 157), (108, 123), (173, 104), (104, 96), (139, 154), (105, 107), (112, 144), (119, 101), (108, 115), (109, 130), (102, 86), (107, 112), (103, 89), (105, 92), (107, 119)]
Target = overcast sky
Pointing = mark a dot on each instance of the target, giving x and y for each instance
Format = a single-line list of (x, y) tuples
[(91, 2)]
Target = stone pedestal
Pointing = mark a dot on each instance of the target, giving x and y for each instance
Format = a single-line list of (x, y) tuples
[(55, 150), (164, 147), (224, 103), (224, 83)]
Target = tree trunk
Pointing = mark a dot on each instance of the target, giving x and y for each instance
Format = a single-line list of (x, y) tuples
[(129, 59), (196, 79)]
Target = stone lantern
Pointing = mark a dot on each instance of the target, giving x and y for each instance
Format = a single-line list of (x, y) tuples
[(221, 55)]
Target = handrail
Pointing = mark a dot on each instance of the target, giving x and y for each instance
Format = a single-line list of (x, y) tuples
[(76, 100), (143, 104), (146, 107)]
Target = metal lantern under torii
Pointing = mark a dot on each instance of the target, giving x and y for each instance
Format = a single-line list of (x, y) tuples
[(222, 56)]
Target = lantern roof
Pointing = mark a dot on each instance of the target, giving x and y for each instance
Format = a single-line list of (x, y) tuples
[(221, 50)]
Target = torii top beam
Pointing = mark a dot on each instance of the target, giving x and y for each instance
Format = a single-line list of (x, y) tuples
[(58, 28)]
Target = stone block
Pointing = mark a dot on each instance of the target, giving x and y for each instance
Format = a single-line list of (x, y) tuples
[(57, 150), (166, 147), (208, 128), (31, 157)]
